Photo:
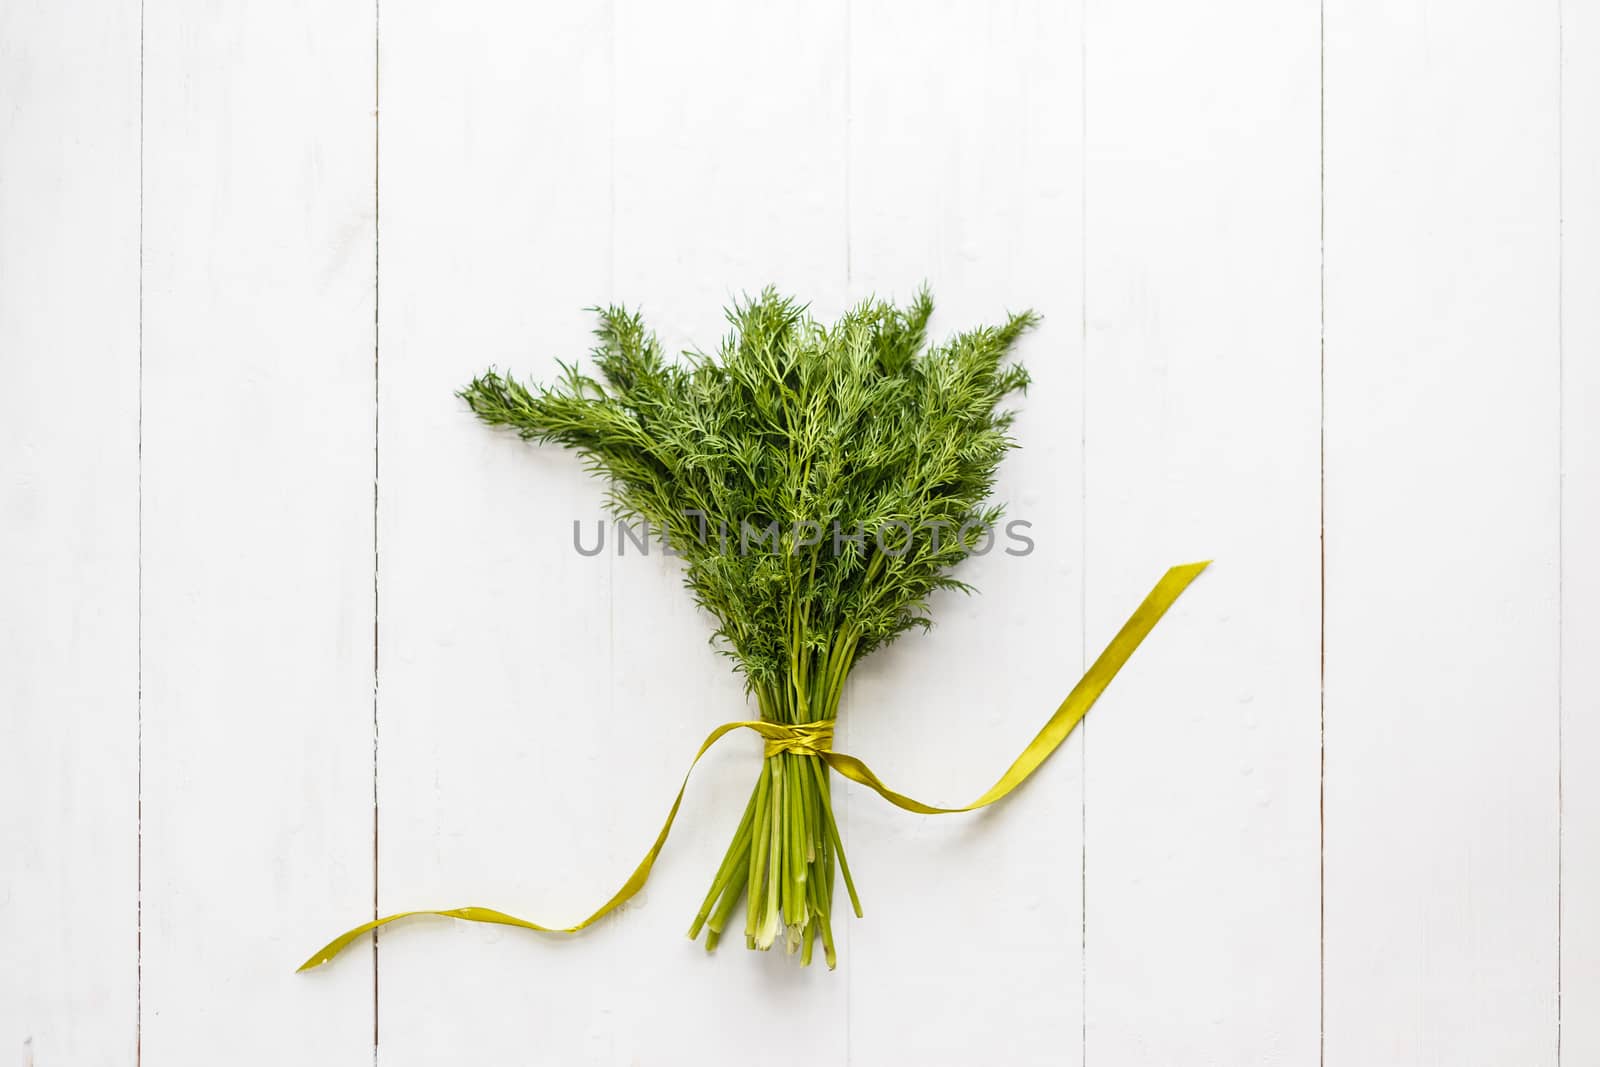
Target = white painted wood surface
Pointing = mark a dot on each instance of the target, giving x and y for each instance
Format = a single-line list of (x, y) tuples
[(257, 488), (69, 536), (1579, 686), (481, 728), (290, 637), (1201, 388), (1442, 642)]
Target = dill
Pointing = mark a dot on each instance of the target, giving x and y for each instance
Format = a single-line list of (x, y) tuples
[(820, 484)]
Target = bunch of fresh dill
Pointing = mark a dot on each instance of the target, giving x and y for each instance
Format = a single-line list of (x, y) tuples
[(820, 482)]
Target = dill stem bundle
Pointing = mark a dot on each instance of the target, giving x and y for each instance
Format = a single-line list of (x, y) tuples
[(786, 845), (859, 459)]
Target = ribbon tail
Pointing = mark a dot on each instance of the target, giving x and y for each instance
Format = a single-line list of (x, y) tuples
[(1066, 717), (471, 914), (635, 881)]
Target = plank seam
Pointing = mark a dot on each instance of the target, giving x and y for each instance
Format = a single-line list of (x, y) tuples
[(849, 271), (138, 936), (850, 143), (377, 403), (1561, 502), (1322, 532), (1083, 524)]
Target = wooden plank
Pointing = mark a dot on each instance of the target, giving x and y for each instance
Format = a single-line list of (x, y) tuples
[(501, 767), (729, 148), (258, 553), (1442, 410), (69, 439), (1580, 532), (964, 172), (1202, 393)]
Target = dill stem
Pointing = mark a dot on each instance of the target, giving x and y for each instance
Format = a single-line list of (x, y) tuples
[(758, 852), (795, 887), (730, 900), (808, 808), (738, 850), (833, 834), (824, 893), (776, 859)]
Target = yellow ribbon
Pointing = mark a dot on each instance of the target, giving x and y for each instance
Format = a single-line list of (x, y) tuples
[(815, 739)]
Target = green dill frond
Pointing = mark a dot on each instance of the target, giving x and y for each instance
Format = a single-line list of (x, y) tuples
[(800, 434)]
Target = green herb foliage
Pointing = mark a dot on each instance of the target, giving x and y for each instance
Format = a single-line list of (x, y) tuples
[(820, 483)]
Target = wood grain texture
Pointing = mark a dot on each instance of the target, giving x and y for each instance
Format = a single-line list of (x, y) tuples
[(1201, 388), (1580, 532), (964, 172), (69, 530), (257, 562), (1442, 401)]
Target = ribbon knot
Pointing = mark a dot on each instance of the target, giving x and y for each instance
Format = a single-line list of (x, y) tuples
[(801, 738)]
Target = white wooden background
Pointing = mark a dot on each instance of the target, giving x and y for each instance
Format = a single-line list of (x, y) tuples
[(286, 636)]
